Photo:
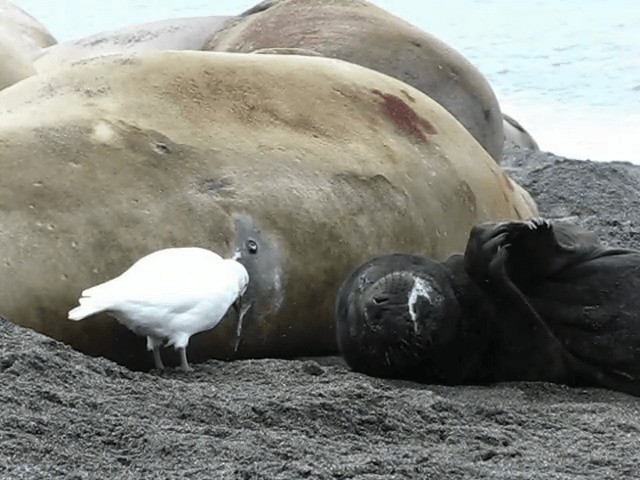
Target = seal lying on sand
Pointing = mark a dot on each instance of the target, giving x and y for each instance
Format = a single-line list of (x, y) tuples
[(526, 301), (292, 173), (516, 133)]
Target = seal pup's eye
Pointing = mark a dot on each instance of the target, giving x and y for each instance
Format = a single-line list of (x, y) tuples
[(252, 246)]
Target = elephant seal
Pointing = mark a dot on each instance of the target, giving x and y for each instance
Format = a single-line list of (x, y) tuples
[(14, 65), (361, 33), (171, 34), (516, 134), (288, 160), (20, 36), (527, 301), (28, 34), (410, 316)]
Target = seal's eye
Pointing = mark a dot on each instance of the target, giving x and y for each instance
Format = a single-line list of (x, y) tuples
[(252, 246)]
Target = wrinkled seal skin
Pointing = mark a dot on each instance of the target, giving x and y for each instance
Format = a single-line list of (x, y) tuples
[(172, 34), (361, 33), (527, 301), (290, 160), (516, 134)]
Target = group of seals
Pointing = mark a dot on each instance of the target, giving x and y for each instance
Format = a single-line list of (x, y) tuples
[(352, 30), (359, 32), (300, 162), (526, 301)]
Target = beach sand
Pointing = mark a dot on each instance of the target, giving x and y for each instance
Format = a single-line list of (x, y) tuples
[(65, 415)]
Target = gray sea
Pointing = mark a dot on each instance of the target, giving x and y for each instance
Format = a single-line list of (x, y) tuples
[(568, 70)]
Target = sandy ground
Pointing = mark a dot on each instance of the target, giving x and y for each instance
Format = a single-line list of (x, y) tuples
[(64, 415)]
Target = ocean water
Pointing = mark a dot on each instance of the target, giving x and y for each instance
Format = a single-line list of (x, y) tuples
[(568, 70)]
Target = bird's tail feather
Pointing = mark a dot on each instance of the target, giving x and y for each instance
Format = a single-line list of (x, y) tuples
[(87, 308)]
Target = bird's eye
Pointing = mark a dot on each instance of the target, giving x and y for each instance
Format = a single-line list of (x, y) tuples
[(252, 246)]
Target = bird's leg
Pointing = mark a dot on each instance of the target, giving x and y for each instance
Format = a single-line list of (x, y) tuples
[(156, 358), (154, 344), (183, 360)]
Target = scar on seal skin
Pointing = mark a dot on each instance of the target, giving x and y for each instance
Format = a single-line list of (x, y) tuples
[(528, 300)]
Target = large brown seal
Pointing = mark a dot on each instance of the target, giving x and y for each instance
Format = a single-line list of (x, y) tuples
[(28, 33), (361, 33), (171, 34), (306, 166), (14, 64), (20, 36)]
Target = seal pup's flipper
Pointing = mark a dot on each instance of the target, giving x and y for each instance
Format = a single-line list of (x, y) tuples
[(538, 248), (524, 347), (567, 306)]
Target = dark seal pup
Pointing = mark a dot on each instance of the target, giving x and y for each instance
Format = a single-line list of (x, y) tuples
[(526, 301)]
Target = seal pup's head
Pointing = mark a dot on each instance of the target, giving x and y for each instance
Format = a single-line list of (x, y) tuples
[(395, 315)]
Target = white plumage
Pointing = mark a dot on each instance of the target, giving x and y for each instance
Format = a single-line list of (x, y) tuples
[(169, 295)]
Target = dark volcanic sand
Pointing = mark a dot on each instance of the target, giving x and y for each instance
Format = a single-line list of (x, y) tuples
[(64, 415)]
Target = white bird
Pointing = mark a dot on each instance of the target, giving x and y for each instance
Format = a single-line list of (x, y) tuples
[(170, 294)]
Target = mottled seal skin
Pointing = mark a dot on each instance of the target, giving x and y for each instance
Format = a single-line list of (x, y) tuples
[(361, 33), (516, 134), (527, 301), (408, 316), (172, 34), (289, 160)]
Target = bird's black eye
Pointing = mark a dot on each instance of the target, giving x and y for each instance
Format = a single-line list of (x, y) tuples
[(252, 246)]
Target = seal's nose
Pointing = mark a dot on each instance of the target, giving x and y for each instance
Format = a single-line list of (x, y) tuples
[(380, 299)]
